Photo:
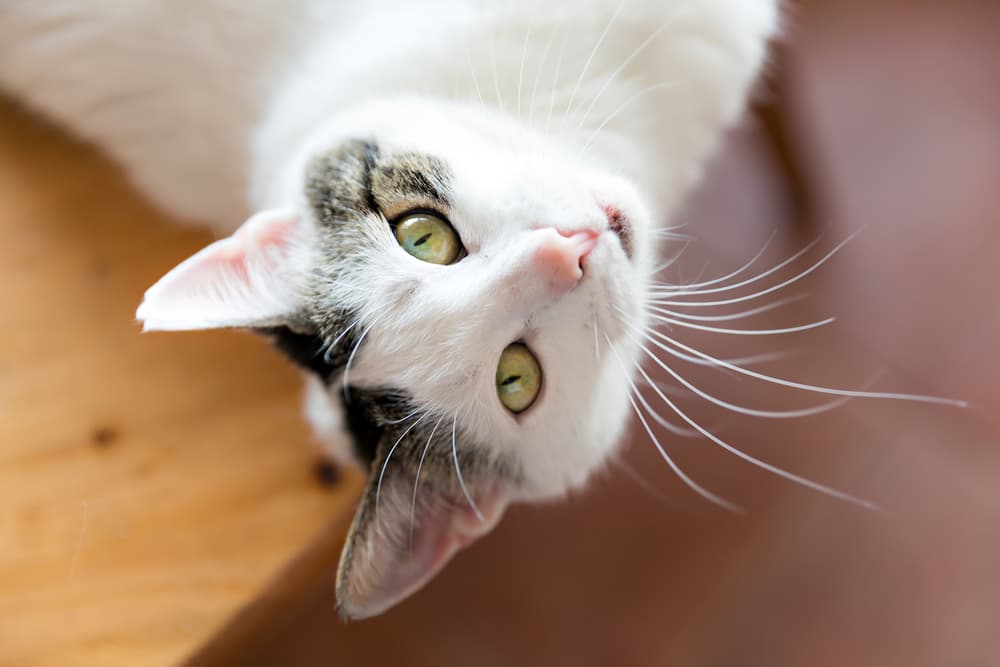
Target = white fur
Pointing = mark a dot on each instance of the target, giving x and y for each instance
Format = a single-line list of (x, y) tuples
[(214, 106)]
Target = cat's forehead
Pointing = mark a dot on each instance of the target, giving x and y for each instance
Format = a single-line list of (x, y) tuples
[(489, 192), (361, 176)]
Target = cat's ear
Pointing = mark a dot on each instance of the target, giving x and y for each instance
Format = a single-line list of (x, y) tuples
[(401, 538), (244, 280)]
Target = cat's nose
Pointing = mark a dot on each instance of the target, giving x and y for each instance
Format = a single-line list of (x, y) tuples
[(559, 255)]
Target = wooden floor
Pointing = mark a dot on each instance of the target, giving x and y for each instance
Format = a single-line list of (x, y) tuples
[(150, 485)]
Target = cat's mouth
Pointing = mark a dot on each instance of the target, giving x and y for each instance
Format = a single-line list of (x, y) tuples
[(618, 223)]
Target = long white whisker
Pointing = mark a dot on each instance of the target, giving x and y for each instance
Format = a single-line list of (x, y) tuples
[(698, 290), (727, 318), (766, 414), (586, 65), (765, 292), (667, 231), (729, 276), (416, 478), (496, 75), (350, 358), (671, 260), (402, 419), (624, 105), (538, 78), (332, 345), (597, 344), (799, 385), (766, 357), (385, 464), (700, 490), (642, 482), (475, 80), (555, 81), (458, 471), (744, 332), (524, 55), (679, 431), (840, 495), (621, 68), (697, 488)]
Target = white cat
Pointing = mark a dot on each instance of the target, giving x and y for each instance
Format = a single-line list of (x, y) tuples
[(453, 210)]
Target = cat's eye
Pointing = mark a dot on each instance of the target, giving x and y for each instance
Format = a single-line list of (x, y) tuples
[(519, 378), (428, 238)]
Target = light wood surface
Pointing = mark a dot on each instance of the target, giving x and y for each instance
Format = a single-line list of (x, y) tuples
[(150, 485)]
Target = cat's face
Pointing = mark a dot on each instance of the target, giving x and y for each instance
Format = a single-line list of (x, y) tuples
[(466, 291)]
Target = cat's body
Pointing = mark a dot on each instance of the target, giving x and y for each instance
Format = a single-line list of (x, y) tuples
[(200, 100), (541, 136)]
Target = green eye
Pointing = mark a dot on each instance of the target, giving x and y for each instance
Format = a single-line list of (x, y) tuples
[(519, 378), (428, 238)]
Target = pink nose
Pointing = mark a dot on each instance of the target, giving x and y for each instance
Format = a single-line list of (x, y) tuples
[(559, 255)]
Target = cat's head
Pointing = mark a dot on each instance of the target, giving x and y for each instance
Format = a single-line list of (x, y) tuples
[(462, 293)]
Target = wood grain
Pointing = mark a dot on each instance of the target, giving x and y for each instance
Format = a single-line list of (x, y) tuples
[(150, 485)]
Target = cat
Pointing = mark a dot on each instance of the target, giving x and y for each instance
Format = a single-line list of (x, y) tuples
[(451, 213)]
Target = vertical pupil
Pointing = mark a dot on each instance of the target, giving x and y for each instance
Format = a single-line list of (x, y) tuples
[(423, 239)]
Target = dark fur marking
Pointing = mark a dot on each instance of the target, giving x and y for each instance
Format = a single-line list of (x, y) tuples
[(338, 183), (421, 179), (371, 156), (312, 352), (305, 350), (344, 187), (357, 179), (368, 413)]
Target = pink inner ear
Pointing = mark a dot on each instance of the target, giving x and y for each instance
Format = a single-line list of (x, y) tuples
[(392, 569), (240, 281)]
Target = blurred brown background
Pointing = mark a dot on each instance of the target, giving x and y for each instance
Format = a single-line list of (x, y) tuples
[(890, 121)]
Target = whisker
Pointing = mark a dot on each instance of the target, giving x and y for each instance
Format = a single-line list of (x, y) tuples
[(624, 105), (597, 345), (621, 68), (763, 358), (679, 431), (385, 464), (350, 358), (815, 486), (538, 77), (496, 75), (693, 485), (765, 292), (799, 385), (416, 479), (524, 55), (766, 414), (700, 490), (735, 316), (458, 471), (402, 419), (642, 482), (716, 281), (555, 81), (670, 230), (475, 80), (586, 65), (673, 259), (744, 332), (330, 347), (687, 289)]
